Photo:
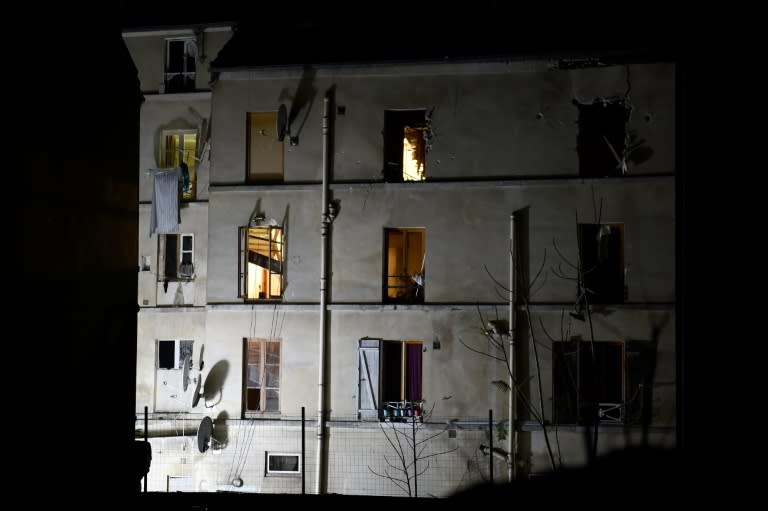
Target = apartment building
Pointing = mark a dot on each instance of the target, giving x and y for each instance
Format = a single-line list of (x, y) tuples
[(387, 246)]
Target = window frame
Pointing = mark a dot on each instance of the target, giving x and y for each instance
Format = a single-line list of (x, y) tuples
[(190, 161), (270, 175), (614, 289), (262, 411), (268, 472), (189, 78), (385, 376), (417, 295), (162, 254), (244, 261), (609, 412), (395, 122), (603, 137)]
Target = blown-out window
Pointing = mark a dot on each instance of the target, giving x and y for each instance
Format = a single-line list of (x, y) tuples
[(261, 262), (405, 145)]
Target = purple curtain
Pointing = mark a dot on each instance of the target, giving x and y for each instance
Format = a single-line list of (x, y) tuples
[(413, 372)]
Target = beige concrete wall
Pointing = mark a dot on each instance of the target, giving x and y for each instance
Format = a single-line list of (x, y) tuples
[(153, 325), (147, 50), (158, 113), (194, 220), (467, 229), (484, 121)]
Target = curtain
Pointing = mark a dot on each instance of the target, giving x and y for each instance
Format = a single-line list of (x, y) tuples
[(413, 372)]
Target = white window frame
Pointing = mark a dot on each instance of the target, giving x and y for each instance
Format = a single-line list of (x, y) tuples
[(180, 251), (268, 455), (167, 61), (262, 377)]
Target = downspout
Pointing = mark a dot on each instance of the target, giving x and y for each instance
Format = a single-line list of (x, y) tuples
[(323, 338), (512, 433)]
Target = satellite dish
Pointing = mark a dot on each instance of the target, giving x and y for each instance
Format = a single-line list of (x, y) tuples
[(196, 397), (282, 122), (185, 376), (204, 433), (200, 362)]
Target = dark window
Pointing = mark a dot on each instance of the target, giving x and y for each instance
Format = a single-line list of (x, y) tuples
[(588, 385), (176, 257), (404, 145), (401, 376), (180, 65), (602, 138), (601, 251)]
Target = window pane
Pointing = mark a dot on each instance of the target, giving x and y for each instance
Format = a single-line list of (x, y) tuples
[(279, 463), (273, 401), (273, 353), (186, 242), (254, 376), (185, 349), (253, 399), (186, 258), (165, 354), (254, 352), (271, 376)]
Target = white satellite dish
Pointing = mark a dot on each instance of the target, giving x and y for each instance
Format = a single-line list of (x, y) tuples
[(200, 361)]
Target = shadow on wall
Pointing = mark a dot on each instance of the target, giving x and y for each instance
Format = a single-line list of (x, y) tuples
[(214, 382), (220, 429)]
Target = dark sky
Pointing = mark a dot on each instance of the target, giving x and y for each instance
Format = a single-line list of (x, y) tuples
[(525, 27)]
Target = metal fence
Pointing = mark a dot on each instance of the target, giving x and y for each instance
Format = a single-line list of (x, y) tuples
[(405, 456)]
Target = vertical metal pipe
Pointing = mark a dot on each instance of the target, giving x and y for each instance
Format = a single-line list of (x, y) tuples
[(490, 430), (146, 439), (323, 338), (303, 452), (511, 433)]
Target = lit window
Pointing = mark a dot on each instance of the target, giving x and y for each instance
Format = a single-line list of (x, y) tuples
[(404, 265), (180, 64), (405, 145), (175, 256), (261, 262), (178, 148), (264, 158), (262, 376)]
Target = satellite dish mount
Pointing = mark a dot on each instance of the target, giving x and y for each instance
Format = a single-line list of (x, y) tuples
[(283, 128)]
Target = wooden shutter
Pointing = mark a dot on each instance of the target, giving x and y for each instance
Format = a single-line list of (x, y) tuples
[(368, 378)]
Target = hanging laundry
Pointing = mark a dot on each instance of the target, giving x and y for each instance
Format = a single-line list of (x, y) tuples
[(165, 216), (185, 177)]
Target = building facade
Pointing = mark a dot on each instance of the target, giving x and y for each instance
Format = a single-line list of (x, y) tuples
[(388, 247)]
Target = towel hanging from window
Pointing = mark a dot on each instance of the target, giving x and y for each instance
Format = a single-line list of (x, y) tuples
[(165, 217)]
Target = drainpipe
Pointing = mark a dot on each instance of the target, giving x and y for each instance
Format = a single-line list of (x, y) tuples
[(324, 228), (512, 434)]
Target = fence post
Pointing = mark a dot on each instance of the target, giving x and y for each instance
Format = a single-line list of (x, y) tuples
[(490, 430)]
